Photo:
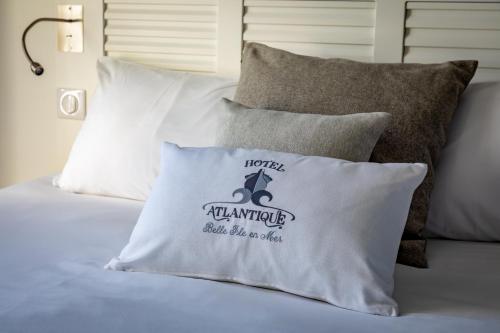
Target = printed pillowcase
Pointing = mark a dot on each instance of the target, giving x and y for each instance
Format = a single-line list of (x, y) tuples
[(318, 227)]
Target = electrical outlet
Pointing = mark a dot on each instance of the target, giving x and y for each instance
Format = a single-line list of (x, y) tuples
[(71, 103), (70, 35)]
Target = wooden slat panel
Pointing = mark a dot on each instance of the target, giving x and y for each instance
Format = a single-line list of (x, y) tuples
[(450, 5), (309, 34), (318, 28), (310, 4), (354, 52), (487, 74), (166, 2), (487, 58), (171, 13), (310, 16), (175, 62), (482, 39), (161, 29), (147, 7), (454, 19), (161, 45), (442, 31), (174, 34)]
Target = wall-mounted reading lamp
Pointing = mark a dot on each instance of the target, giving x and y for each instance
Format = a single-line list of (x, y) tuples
[(67, 35)]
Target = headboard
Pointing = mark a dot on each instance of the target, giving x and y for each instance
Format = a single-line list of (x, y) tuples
[(208, 35)]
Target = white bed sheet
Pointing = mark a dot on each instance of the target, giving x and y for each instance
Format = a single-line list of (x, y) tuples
[(53, 246)]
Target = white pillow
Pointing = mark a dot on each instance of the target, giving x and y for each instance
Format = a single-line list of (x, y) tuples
[(465, 202), (319, 227), (134, 109)]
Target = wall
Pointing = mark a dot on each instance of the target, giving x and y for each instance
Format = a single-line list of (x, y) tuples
[(33, 141)]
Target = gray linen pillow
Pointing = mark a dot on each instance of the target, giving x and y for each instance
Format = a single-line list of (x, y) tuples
[(420, 97), (349, 137)]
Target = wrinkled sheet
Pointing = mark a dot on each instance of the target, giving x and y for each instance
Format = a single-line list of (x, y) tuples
[(53, 246)]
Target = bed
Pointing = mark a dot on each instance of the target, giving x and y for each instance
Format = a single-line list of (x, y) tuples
[(54, 245)]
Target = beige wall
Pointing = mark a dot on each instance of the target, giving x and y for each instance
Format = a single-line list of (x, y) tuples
[(33, 141)]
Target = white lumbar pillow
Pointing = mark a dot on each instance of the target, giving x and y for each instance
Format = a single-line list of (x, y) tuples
[(318, 227), (134, 109)]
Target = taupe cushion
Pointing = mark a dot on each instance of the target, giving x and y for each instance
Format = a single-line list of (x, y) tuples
[(421, 98), (348, 137)]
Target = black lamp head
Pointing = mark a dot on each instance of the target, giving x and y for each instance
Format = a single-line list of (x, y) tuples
[(36, 68)]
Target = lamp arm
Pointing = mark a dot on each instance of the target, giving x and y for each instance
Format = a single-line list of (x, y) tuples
[(36, 68)]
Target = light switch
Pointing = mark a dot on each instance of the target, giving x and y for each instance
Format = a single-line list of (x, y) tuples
[(71, 103), (70, 35)]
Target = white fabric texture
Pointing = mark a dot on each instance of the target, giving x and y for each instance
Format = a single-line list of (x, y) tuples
[(318, 227), (465, 202), (53, 245), (134, 109)]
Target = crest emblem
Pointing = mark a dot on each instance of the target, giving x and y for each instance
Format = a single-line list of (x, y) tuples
[(254, 190)]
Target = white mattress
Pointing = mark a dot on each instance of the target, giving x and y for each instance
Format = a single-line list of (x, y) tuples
[(53, 246)]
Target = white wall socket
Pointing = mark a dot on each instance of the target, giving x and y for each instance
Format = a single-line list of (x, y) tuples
[(70, 35), (71, 103)]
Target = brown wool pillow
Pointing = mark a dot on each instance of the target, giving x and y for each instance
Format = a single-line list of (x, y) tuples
[(420, 97)]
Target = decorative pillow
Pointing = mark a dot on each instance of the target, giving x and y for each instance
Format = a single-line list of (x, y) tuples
[(421, 99), (134, 109), (350, 137), (317, 227), (465, 202)]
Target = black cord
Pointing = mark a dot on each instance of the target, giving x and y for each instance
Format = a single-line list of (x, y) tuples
[(36, 68)]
